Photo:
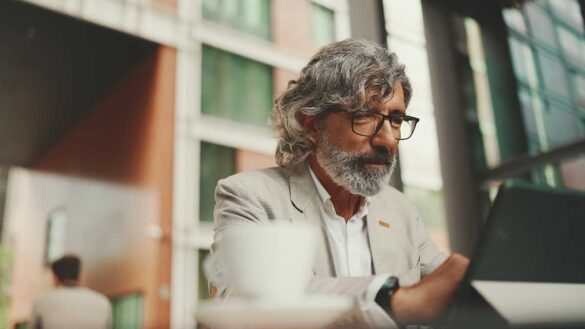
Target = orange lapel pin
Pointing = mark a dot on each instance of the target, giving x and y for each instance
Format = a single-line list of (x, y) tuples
[(384, 224)]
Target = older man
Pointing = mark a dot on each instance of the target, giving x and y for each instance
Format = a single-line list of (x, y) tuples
[(339, 126)]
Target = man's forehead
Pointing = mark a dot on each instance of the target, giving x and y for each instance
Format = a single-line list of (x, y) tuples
[(375, 95)]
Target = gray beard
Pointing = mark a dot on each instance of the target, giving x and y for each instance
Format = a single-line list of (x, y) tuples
[(351, 171)]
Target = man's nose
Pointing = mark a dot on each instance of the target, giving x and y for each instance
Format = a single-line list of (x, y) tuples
[(387, 137)]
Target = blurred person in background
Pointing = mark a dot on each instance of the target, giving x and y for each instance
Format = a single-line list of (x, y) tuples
[(69, 305), (339, 125)]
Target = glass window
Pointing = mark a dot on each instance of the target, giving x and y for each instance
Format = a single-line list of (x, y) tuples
[(235, 87), (56, 231), (517, 51), (561, 126), (217, 162), (127, 312), (554, 74), (514, 19), (568, 11), (573, 47), (323, 24), (250, 16), (528, 116), (541, 24)]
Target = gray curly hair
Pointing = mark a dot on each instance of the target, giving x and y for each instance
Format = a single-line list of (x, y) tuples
[(337, 76)]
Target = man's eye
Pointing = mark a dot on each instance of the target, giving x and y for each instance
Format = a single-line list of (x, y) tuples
[(363, 116), (396, 121)]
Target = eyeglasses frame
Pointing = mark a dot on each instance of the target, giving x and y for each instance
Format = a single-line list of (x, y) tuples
[(379, 126)]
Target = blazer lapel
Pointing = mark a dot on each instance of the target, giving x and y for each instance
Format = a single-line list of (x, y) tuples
[(383, 242), (307, 208)]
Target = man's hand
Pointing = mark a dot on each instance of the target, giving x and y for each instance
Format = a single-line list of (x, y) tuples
[(428, 299)]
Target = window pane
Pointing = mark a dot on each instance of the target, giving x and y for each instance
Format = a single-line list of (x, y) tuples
[(573, 47), (251, 16), (514, 19), (217, 162), (323, 24), (127, 312), (540, 24), (235, 87), (562, 126), (528, 115), (569, 11), (516, 48), (554, 74)]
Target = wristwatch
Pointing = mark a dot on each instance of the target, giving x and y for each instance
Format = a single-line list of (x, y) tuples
[(385, 293)]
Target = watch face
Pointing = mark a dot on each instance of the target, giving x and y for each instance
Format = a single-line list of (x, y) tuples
[(391, 283)]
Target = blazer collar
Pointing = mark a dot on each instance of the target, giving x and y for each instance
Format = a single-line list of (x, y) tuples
[(303, 191), (307, 202)]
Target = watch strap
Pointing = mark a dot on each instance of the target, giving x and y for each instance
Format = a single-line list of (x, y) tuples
[(386, 292)]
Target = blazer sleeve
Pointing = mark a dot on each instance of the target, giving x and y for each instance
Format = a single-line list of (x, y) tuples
[(430, 256)]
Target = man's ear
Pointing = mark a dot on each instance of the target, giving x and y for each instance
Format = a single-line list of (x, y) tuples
[(311, 125)]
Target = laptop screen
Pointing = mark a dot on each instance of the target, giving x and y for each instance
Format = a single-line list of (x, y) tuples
[(533, 234)]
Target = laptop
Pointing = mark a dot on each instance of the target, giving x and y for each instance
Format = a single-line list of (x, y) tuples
[(528, 268)]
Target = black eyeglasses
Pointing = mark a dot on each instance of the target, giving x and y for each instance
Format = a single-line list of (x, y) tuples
[(369, 123)]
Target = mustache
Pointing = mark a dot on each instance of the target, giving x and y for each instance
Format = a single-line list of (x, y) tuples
[(378, 156)]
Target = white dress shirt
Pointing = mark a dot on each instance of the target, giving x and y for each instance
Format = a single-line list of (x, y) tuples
[(351, 252)]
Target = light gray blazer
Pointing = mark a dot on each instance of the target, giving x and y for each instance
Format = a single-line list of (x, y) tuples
[(399, 241)]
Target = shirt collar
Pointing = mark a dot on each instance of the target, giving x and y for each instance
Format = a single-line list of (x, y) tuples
[(325, 196), (322, 191)]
